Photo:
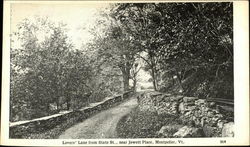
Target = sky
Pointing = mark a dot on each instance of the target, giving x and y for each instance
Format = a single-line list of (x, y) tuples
[(76, 16)]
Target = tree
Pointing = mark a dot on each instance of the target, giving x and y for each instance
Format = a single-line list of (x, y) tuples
[(141, 22), (115, 47), (46, 70), (134, 73), (183, 40), (202, 54)]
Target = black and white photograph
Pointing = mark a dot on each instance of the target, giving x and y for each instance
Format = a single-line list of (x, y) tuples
[(124, 73)]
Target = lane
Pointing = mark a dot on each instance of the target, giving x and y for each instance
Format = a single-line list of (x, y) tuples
[(101, 125)]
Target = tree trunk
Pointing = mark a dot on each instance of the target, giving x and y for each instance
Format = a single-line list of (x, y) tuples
[(126, 75), (134, 85), (179, 82), (152, 66), (154, 78), (125, 81)]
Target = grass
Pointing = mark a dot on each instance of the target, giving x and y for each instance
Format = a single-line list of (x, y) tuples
[(139, 124)]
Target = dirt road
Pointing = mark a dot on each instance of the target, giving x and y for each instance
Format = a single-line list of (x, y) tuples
[(101, 125)]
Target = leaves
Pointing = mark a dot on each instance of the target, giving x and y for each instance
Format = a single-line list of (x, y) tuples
[(192, 42), (181, 37), (45, 70)]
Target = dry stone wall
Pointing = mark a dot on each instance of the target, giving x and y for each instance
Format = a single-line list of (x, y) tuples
[(200, 117), (25, 128)]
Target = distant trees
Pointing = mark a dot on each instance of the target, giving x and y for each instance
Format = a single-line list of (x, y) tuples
[(115, 47)]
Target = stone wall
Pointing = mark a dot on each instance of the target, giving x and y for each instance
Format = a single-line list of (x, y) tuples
[(197, 115), (22, 129)]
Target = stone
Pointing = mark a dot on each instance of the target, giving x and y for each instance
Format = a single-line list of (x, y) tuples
[(208, 109), (175, 103), (215, 119), (210, 114), (209, 131), (166, 95), (199, 112), (193, 112), (47, 123), (219, 115), (196, 113), (191, 123), (186, 131), (208, 119), (181, 108), (202, 106), (191, 103), (228, 130), (168, 130), (213, 123), (155, 94), (166, 99), (203, 121), (176, 98), (197, 122), (189, 99), (212, 104), (162, 111), (174, 112), (188, 113), (216, 112), (174, 106), (200, 102), (220, 124), (167, 104)]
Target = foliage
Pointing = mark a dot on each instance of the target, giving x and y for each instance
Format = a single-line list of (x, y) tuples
[(182, 39), (48, 74), (115, 48), (186, 47)]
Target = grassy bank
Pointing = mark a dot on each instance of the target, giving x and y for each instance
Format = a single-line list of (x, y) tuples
[(139, 124)]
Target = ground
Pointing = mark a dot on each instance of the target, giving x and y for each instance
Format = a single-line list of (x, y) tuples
[(101, 125)]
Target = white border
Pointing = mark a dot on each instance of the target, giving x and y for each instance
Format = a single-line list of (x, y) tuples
[(241, 80)]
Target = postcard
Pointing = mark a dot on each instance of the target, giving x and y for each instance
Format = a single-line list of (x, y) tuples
[(125, 73)]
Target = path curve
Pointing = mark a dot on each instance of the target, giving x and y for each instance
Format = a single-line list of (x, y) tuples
[(101, 125)]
